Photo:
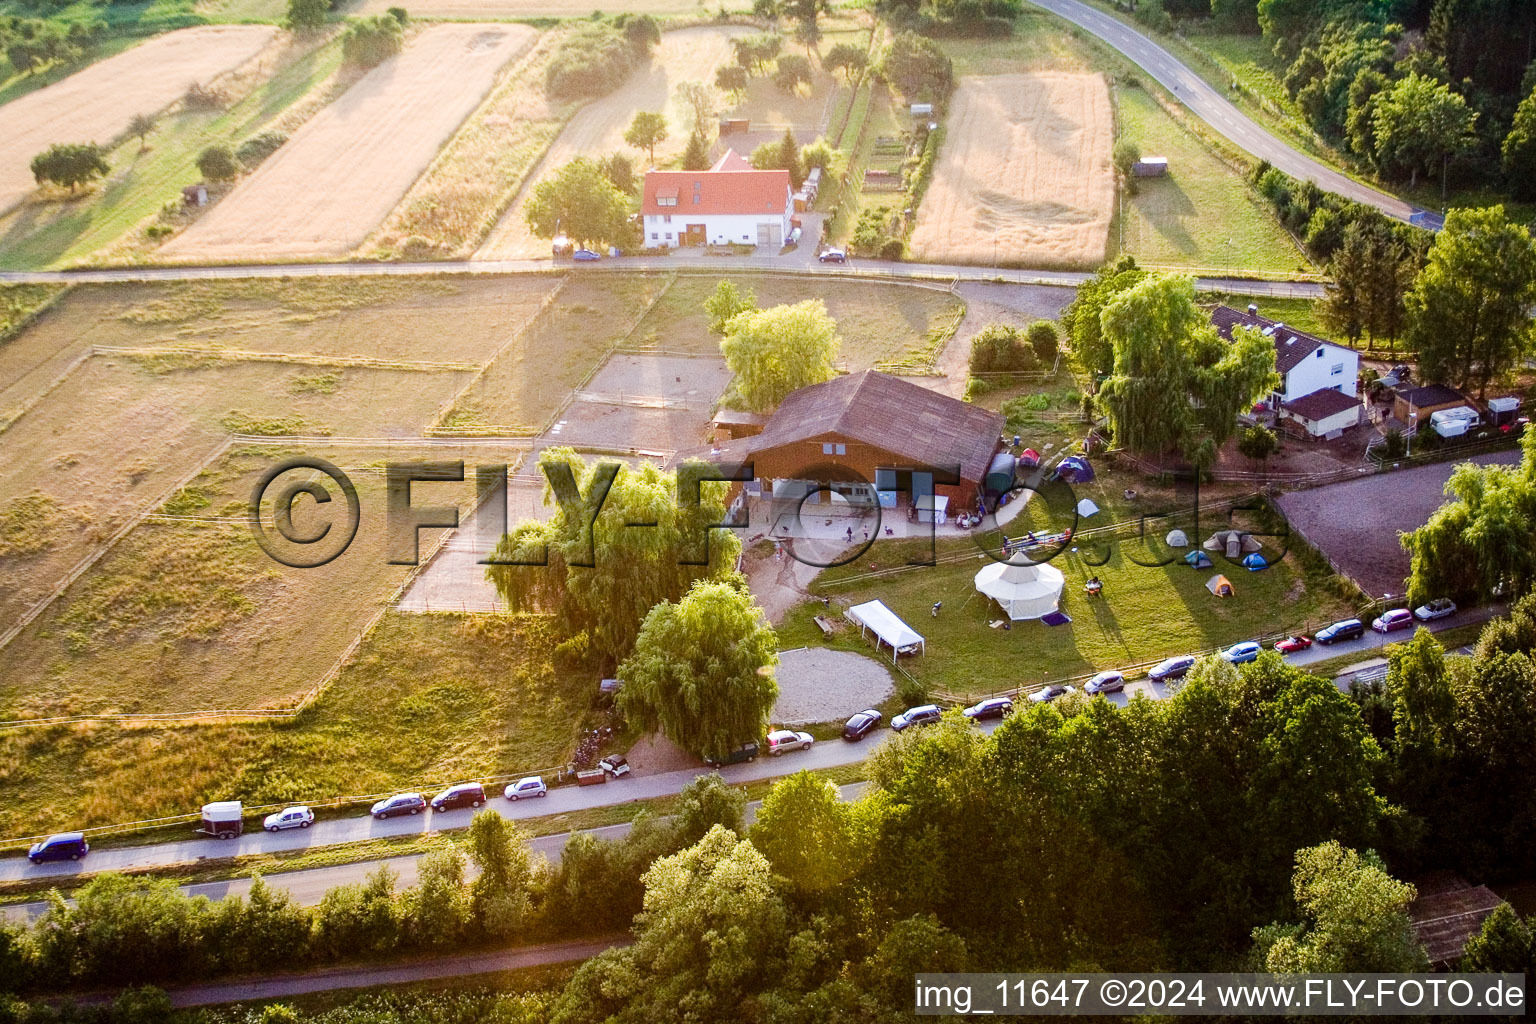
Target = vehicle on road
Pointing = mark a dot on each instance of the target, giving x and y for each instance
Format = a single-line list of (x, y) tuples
[(289, 817), (1344, 629), (1049, 693), (614, 765), (1439, 608), (1292, 644), (992, 707), (745, 752), (923, 714), (1241, 654), (861, 725), (585, 255), (400, 803), (1390, 621), (781, 740), (465, 794), (1105, 682), (1172, 668), (833, 256), (64, 846), (531, 786)]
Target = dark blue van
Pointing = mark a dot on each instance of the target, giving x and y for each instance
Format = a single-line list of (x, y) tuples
[(64, 846)]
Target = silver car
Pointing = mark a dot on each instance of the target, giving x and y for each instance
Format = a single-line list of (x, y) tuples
[(1439, 608), (289, 817)]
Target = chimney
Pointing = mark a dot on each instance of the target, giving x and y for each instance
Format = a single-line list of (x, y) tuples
[(1253, 309)]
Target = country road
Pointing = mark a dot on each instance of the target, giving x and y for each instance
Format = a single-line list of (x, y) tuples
[(357, 828), (1216, 110)]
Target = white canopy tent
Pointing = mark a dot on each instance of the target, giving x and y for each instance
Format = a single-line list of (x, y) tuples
[(887, 627), (1023, 591)]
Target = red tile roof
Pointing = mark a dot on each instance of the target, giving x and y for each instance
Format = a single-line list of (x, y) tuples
[(732, 186)]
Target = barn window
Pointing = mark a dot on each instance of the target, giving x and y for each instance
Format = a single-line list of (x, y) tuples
[(842, 449), (826, 448)]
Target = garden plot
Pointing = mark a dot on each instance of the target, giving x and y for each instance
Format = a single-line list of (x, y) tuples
[(1024, 177), (188, 613), (597, 129), (96, 104), (340, 174), (119, 432)]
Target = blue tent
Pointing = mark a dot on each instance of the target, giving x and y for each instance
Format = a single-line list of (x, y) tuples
[(1197, 560), (1255, 562), (1074, 469)]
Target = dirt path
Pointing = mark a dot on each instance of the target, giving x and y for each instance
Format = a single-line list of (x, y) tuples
[(597, 129), (347, 167), (96, 104)]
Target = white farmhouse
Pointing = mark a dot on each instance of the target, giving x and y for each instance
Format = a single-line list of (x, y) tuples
[(732, 202), (1318, 379)]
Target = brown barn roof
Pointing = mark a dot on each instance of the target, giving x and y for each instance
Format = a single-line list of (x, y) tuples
[(1291, 345), (1319, 405), (1432, 395), (887, 412), (1447, 913)]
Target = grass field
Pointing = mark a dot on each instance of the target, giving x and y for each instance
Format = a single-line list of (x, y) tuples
[(1202, 215), (330, 185), (1145, 614), (428, 700), (877, 322), (532, 377), (62, 231)]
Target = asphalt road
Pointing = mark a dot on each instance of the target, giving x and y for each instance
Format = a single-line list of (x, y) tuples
[(1216, 110)]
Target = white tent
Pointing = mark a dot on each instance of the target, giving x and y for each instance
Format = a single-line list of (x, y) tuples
[(1086, 508), (1023, 591), (1176, 539), (888, 628)]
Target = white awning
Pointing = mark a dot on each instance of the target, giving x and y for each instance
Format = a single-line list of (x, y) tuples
[(887, 627)]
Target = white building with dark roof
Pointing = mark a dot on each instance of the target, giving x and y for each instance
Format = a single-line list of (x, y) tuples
[(1318, 379)]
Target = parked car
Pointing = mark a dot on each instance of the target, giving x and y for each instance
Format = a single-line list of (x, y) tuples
[(1292, 644), (1050, 693), (1241, 654), (1344, 629), (64, 846), (833, 256), (585, 255), (1397, 618), (781, 740), (400, 803), (923, 714), (1172, 668), (1439, 608), (532, 785), (992, 707), (289, 817), (745, 752), (861, 725), (614, 765), (1105, 682), (465, 794)]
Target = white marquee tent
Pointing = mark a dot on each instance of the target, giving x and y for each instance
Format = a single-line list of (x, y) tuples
[(1023, 591), (887, 627)]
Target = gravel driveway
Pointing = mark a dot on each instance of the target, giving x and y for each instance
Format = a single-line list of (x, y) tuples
[(817, 685)]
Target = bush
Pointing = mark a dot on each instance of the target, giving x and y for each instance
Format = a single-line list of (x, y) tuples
[(592, 61), (218, 163), (1044, 341), (258, 147), (371, 41), (893, 249), (998, 348), (399, 14)]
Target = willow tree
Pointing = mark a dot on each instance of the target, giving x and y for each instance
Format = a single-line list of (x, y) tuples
[(1176, 384), (1081, 317), (778, 350), (622, 540)]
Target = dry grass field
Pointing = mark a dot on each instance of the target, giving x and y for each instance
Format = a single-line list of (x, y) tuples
[(1024, 176), (483, 10), (340, 174), (96, 104), (597, 129)]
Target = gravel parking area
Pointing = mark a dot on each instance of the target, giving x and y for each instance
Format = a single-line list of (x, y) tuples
[(817, 685), (1356, 523)]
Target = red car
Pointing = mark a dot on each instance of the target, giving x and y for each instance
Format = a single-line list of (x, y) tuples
[(1292, 644)]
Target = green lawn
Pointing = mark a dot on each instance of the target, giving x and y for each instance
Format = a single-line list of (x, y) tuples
[(1146, 614), (1203, 215), (63, 232)]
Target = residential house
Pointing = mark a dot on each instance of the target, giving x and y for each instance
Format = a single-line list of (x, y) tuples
[(731, 203), (1318, 379)]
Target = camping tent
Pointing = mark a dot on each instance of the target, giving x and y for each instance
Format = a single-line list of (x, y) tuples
[(1198, 560), (1086, 508), (1176, 539), (1029, 458), (1022, 590), (1255, 562), (1074, 469), (1223, 540), (1219, 585), (887, 627)]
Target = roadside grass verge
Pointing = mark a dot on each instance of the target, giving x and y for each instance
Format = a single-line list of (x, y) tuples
[(21, 303)]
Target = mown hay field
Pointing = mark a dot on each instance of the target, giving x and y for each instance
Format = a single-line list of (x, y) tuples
[(340, 174), (481, 10), (96, 104), (1024, 177)]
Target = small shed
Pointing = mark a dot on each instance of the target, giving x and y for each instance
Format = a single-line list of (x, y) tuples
[(1219, 585), (1420, 403), (735, 125), (194, 195), (1150, 167), (922, 110)]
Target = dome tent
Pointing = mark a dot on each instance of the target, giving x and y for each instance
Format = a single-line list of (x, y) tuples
[(1255, 562), (1219, 585), (1234, 542), (1176, 539), (1021, 589), (1198, 560)]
